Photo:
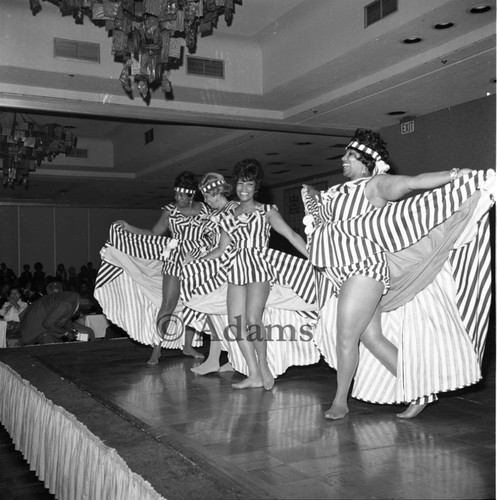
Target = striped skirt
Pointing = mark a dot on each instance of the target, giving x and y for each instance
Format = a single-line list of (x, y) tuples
[(440, 324), (129, 288)]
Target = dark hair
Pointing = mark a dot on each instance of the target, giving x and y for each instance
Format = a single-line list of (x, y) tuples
[(186, 180), (373, 141), (249, 170), (224, 188)]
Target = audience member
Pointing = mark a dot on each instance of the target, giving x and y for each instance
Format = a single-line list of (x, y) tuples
[(50, 319), (31, 292), (92, 273), (39, 273), (54, 287), (26, 276), (11, 310), (61, 274), (4, 293), (72, 280)]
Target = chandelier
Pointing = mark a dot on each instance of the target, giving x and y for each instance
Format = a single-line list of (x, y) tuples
[(24, 144), (147, 34)]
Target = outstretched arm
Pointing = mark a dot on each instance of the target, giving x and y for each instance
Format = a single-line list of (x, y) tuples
[(280, 226), (384, 188), (160, 227)]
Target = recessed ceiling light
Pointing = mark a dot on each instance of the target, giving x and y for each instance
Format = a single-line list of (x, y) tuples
[(281, 172), (443, 26), (480, 9), (411, 40), (305, 143), (275, 163), (271, 154), (396, 113)]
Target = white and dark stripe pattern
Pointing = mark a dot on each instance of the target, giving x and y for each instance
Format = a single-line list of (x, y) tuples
[(440, 332), (106, 273), (248, 260), (473, 282), (364, 149), (143, 246), (190, 233), (130, 293), (359, 230)]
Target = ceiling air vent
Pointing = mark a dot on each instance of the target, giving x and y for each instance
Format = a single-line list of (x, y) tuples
[(376, 11), (80, 51), (212, 68)]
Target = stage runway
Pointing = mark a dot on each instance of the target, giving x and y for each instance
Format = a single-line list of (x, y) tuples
[(194, 437)]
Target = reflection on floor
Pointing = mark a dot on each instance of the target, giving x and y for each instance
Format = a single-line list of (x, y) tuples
[(278, 445)]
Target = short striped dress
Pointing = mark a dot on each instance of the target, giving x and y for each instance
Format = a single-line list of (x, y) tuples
[(191, 235), (431, 251), (129, 280), (290, 308)]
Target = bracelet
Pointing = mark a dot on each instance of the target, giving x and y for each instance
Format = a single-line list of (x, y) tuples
[(454, 174)]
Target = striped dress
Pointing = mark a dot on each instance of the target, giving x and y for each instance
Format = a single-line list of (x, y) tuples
[(191, 234), (432, 253), (129, 281), (290, 311)]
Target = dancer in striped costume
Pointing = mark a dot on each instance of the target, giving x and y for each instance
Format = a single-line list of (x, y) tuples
[(215, 190), (358, 235), (184, 220), (245, 270)]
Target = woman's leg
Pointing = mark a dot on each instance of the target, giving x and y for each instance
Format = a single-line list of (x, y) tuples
[(188, 349), (257, 294), (237, 297), (211, 364), (379, 346), (358, 299), (374, 340), (170, 296)]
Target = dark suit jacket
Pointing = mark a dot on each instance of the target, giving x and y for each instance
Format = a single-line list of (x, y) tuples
[(51, 313)]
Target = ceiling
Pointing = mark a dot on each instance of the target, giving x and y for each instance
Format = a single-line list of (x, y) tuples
[(336, 80)]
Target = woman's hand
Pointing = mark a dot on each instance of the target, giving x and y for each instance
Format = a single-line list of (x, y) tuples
[(122, 224)]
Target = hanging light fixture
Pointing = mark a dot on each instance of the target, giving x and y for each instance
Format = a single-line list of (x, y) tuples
[(25, 144), (146, 34)]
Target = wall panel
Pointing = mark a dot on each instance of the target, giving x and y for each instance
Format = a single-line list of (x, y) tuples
[(36, 237), (9, 237), (71, 237)]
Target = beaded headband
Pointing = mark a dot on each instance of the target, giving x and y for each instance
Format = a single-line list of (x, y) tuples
[(184, 190), (365, 149), (213, 184)]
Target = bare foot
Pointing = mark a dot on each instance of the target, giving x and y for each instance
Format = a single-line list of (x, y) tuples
[(267, 379), (154, 359), (226, 368), (205, 368), (336, 411), (248, 383), (190, 351), (412, 411)]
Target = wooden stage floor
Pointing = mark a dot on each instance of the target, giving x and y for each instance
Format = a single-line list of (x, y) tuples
[(194, 436)]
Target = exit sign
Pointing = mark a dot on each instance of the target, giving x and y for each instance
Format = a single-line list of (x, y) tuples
[(407, 127)]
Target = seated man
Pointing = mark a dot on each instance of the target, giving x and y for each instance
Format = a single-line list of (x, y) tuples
[(49, 320)]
